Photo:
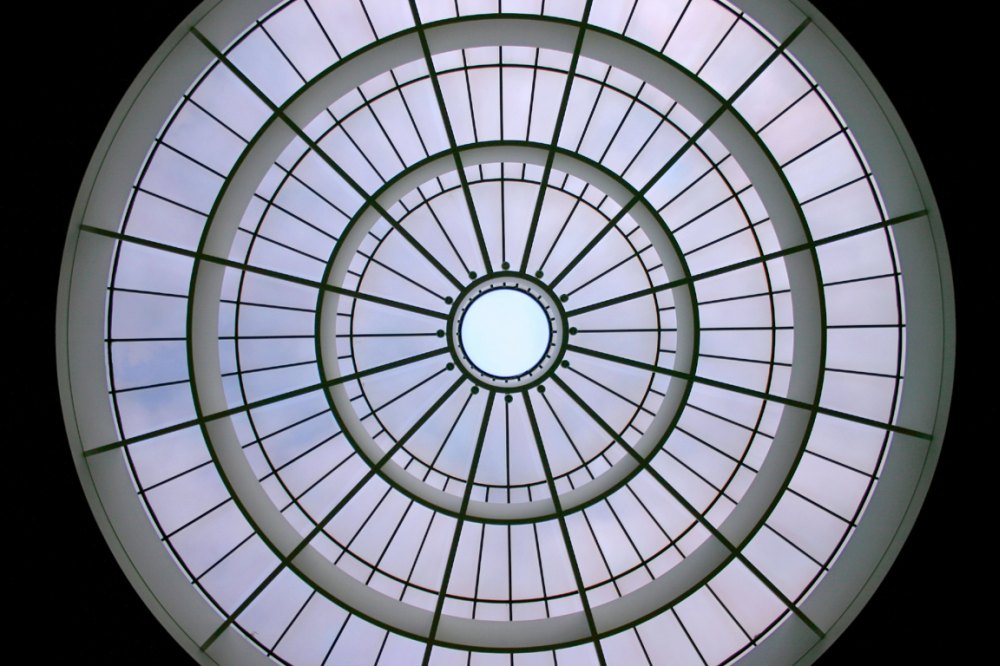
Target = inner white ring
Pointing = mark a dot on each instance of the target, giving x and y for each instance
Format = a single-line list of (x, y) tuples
[(505, 332)]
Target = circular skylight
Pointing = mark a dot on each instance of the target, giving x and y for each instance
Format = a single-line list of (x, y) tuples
[(505, 332), (603, 331)]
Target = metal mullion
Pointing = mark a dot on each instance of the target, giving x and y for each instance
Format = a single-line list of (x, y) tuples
[(744, 426), (734, 551), (163, 197), (633, 255), (759, 294), (725, 106), (450, 132), (749, 328), (173, 382), (739, 461), (562, 229), (154, 486), (759, 361), (279, 112), (278, 275), (192, 101), (601, 86), (196, 579), (345, 549), (864, 373), (290, 336), (336, 638), (557, 130), (290, 173), (847, 521), (684, 629), (407, 584), (842, 130), (287, 559), (376, 568), (673, 29), (215, 507), (437, 220), (621, 123), (286, 246), (295, 499), (406, 392), (430, 467), (751, 227), (865, 278), (468, 91), (479, 569), (584, 464), (853, 181), (263, 402), (385, 335), (459, 524), (371, 259), (298, 218), (147, 292), (812, 88), (628, 537), (399, 90), (626, 330), (298, 457), (160, 142), (270, 651), (561, 517), (777, 254), (593, 381), (604, 560), (791, 402), (714, 167), (163, 339)]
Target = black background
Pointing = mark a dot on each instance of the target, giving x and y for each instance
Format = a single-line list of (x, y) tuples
[(71, 69)]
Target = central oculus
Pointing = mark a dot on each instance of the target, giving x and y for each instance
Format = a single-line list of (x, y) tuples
[(505, 332)]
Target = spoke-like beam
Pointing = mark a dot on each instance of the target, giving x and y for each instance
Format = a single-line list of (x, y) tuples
[(286, 560), (735, 388), (266, 401), (323, 155), (459, 524), (764, 258), (570, 551), (452, 142), (697, 515), (560, 117), (692, 139), (277, 275)]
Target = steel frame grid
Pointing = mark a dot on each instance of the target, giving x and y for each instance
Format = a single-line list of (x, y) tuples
[(810, 250)]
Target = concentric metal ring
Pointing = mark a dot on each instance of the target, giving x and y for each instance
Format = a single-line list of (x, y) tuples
[(717, 436)]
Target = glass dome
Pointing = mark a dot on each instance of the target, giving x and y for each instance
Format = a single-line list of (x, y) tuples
[(746, 333)]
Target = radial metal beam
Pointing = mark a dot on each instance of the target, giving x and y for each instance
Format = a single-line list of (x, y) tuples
[(754, 261), (278, 275), (735, 551), (771, 397), (323, 155), (287, 560), (264, 402), (452, 143), (570, 552), (560, 118), (462, 512), (692, 139)]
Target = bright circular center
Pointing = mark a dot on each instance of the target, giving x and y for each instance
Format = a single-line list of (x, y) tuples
[(505, 332)]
